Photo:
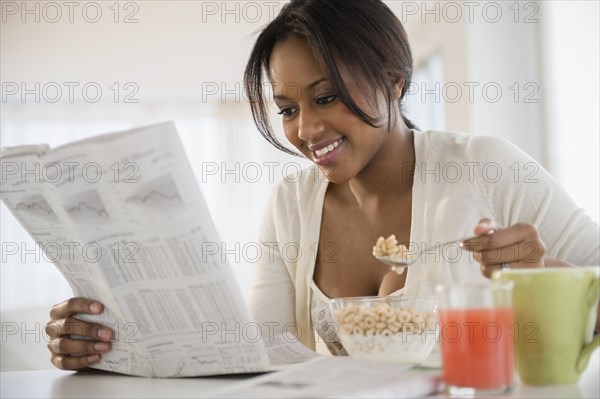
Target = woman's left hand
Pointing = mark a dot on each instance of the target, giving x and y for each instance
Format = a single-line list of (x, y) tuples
[(519, 245)]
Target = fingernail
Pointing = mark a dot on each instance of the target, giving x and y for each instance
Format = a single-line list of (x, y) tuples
[(95, 307), (104, 333), (101, 346), (483, 223), (93, 358)]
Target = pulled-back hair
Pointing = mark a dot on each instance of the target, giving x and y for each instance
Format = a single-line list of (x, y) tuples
[(364, 37)]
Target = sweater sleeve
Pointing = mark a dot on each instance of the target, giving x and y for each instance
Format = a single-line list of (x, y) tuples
[(519, 189), (272, 292)]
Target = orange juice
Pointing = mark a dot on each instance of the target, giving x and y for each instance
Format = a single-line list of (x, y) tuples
[(477, 347)]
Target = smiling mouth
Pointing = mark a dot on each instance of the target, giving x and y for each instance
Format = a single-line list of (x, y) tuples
[(328, 148), (328, 152)]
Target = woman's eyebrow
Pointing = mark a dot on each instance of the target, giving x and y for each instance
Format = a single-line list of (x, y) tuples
[(316, 82), (310, 86)]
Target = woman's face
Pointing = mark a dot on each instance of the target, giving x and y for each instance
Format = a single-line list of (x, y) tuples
[(315, 121)]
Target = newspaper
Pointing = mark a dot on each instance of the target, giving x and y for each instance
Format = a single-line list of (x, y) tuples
[(123, 219), (341, 377)]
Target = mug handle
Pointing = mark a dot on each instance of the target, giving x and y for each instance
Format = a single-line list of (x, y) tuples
[(586, 353)]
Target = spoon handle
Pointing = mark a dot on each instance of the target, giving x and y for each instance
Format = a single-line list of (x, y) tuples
[(461, 241)]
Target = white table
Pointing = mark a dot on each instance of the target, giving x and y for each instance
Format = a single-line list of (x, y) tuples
[(96, 384)]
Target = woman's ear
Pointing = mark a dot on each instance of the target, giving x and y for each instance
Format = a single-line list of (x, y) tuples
[(397, 87)]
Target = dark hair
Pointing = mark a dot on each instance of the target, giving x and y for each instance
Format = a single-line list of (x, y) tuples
[(362, 35)]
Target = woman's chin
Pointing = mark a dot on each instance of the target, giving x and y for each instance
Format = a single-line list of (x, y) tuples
[(333, 174)]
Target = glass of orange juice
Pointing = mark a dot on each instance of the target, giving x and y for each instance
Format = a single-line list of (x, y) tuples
[(477, 338)]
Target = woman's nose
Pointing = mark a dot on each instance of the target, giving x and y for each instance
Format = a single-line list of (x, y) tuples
[(310, 124)]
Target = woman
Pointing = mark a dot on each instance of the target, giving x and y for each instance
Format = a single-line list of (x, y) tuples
[(339, 70)]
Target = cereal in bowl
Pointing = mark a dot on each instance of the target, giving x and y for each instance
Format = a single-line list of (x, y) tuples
[(384, 332), (381, 318)]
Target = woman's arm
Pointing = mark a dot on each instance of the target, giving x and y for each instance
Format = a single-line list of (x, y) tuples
[(272, 292), (538, 222)]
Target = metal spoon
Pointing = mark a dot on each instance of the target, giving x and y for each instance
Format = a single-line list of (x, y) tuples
[(399, 263)]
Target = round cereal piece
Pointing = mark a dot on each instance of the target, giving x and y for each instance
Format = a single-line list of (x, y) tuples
[(379, 325), (369, 322), (376, 308), (384, 311), (430, 323), (395, 327), (363, 310), (417, 318), (386, 332), (403, 316), (345, 329), (352, 308), (409, 327), (347, 318), (357, 331)]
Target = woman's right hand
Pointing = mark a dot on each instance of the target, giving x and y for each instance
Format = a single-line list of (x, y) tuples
[(74, 354)]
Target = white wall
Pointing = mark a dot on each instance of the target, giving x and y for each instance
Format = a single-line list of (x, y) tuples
[(543, 56), (175, 45), (571, 73), (503, 59)]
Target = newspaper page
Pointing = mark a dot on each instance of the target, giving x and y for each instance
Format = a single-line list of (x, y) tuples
[(285, 350), (342, 377), (123, 219)]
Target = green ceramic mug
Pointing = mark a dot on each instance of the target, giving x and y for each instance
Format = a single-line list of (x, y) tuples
[(555, 315)]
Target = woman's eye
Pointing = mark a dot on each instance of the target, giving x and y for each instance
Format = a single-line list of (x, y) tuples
[(287, 112), (326, 99)]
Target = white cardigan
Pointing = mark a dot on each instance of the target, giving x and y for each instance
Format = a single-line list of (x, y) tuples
[(458, 180)]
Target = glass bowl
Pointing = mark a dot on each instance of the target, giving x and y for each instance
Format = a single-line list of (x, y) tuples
[(388, 328)]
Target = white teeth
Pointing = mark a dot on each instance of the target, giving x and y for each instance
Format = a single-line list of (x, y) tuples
[(330, 147)]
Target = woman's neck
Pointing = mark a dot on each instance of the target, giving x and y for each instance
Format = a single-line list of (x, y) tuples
[(390, 174)]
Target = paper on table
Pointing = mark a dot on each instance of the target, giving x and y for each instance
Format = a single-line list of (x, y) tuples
[(342, 376), (285, 350)]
